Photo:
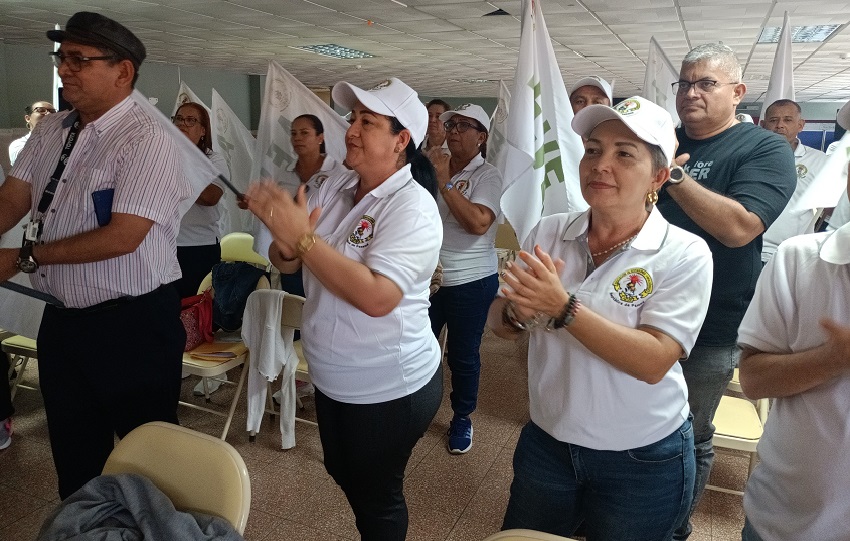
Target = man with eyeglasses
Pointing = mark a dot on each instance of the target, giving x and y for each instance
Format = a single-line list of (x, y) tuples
[(101, 185), (34, 113), (729, 182)]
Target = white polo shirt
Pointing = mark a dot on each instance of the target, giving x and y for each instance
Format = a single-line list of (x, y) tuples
[(662, 280), (801, 487), (467, 257), (394, 230), (799, 221), (291, 181), (201, 225)]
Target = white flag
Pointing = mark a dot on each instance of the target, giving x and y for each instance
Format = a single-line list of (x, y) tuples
[(496, 143), (541, 165), (197, 167), (781, 85), (236, 144), (659, 78), (57, 83), (830, 182), (185, 95), (286, 98)]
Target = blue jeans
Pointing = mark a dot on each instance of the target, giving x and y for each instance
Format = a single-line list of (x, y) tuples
[(749, 533), (463, 309), (638, 494), (707, 372)]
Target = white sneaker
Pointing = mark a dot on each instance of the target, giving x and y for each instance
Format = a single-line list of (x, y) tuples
[(5, 433), (213, 384)]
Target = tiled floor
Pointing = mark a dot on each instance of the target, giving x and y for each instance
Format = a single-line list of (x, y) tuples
[(450, 497)]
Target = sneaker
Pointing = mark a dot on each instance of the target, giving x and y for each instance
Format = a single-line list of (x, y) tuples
[(213, 384), (460, 435), (6, 433)]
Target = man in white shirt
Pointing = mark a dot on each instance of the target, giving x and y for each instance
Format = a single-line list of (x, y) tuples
[(784, 117)]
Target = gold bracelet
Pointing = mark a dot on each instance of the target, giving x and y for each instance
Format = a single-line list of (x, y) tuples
[(305, 243)]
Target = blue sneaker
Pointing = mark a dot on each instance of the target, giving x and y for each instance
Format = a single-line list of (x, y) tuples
[(460, 435)]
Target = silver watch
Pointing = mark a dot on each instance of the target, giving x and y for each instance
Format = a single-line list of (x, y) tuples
[(677, 175)]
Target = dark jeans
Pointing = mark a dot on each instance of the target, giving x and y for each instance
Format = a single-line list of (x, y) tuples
[(463, 310), (366, 449), (105, 372), (638, 494), (708, 370), (195, 263)]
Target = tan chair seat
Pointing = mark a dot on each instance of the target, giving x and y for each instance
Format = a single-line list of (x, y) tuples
[(20, 345)]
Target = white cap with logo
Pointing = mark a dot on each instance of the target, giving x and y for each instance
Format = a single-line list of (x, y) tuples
[(648, 121), (469, 110), (390, 98), (598, 82)]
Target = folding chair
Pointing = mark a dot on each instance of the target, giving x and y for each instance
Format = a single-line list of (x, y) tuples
[(524, 535), (197, 472), (739, 424), (20, 350)]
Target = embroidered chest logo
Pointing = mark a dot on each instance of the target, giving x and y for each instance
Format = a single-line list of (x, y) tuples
[(319, 180), (363, 233), (462, 186), (802, 171), (632, 287)]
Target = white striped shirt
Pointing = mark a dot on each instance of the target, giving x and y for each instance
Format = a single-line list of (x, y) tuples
[(126, 150)]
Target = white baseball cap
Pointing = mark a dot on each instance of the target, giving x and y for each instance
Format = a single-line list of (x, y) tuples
[(744, 117), (843, 117), (390, 98), (598, 82), (469, 110), (648, 121)]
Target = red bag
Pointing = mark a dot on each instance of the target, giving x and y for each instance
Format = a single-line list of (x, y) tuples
[(196, 315)]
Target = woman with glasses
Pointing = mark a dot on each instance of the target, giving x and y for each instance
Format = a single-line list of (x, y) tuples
[(470, 191), (368, 240), (34, 113)]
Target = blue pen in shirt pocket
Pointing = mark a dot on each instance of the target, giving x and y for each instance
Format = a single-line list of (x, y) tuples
[(103, 205)]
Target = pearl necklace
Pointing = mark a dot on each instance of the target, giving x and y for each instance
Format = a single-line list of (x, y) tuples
[(628, 240)]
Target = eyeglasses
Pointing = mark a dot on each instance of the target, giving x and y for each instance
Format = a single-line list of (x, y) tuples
[(187, 121), (75, 62), (461, 126), (703, 86), (43, 110)]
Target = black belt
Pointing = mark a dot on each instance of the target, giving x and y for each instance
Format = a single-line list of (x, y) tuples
[(111, 304)]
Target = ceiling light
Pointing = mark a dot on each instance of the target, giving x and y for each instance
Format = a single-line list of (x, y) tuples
[(799, 34), (335, 51)]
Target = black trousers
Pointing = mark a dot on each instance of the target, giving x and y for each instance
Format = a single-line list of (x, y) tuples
[(104, 372), (195, 263), (366, 449), (6, 408)]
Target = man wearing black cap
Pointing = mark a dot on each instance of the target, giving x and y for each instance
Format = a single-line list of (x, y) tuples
[(101, 185)]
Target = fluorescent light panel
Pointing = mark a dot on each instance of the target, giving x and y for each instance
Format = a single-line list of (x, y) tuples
[(335, 51), (799, 34)]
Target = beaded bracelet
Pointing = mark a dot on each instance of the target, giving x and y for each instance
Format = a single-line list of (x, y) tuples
[(567, 315)]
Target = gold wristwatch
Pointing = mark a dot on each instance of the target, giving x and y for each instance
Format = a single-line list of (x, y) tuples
[(305, 243)]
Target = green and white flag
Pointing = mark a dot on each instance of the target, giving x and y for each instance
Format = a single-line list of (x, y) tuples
[(496, 143), (185, 95), (237, 146), (542, 150)]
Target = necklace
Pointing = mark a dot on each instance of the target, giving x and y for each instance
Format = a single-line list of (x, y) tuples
[(611, 249)]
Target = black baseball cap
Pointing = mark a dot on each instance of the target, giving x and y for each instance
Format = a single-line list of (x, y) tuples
[(87, 28)]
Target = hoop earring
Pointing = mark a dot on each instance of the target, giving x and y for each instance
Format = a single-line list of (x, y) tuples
[(651, 200), (29, 126)]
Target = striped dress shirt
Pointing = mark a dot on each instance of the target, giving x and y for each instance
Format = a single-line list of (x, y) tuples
[(126, 150)]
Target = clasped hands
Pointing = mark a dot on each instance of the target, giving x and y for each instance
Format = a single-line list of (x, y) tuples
[(285, 217), (536, 287)]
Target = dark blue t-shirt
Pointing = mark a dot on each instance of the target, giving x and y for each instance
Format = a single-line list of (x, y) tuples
[(755, 167)]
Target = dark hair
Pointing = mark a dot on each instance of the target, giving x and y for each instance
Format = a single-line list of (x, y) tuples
[(317, 125), (205, 144), (118, 57), (439, 102), (780, 103), (483, 148), (421, 167), (28, 108), (839, 130)]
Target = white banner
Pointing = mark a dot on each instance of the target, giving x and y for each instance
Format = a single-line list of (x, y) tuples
[(781, 85), (185, 95), (236, 144), (286, 98), (658, 80), (542, 150), (830, 182), (496, 143)]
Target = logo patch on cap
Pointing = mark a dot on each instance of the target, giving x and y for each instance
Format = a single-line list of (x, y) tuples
[(379, 86), (627, 107)]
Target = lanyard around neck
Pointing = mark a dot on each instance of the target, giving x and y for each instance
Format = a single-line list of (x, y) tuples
[(50, 189)]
